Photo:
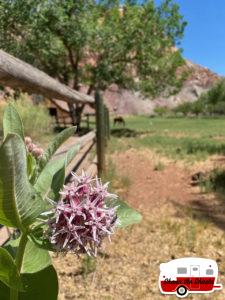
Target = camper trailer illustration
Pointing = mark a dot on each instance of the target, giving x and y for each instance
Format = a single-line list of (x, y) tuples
[(188, 275)]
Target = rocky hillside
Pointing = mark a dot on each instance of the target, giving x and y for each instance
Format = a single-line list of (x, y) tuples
[(200, 79)]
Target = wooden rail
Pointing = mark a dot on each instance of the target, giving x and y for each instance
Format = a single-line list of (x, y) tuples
[(15, 73)]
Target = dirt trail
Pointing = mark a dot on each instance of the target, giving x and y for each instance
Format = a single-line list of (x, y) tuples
[(178, 221), (151, 187)]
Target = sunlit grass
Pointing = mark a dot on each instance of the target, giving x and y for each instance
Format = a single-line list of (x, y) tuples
[(178, 138)]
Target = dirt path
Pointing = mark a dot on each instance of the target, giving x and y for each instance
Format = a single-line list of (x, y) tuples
[(178, 221), (151, 187)]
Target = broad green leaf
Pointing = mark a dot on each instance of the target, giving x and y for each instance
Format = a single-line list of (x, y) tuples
[(11, 246), (8, 271), (44, 180), (42, 285), (126, 214), (35, 259), (20, 204), (12, 122), (56, 143)]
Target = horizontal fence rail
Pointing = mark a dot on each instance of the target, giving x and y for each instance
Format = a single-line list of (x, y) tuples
[(15, 73)]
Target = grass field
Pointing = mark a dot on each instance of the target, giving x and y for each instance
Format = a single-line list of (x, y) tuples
[(179, 138)]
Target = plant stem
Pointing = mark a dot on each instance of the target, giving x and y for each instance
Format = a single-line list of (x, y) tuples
[(19, 261)]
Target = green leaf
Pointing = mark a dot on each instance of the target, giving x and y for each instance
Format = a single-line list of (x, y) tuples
[(20, 204), (31, 164), (44, 180), (126, 214), (56, 143), (41, 285), (4, 291), (35, 259), (8, 271), (12, 122)]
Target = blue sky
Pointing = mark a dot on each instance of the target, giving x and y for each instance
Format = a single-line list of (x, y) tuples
[(204, 38)]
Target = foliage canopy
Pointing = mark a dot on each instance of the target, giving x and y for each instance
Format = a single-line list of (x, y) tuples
[(97, 43)]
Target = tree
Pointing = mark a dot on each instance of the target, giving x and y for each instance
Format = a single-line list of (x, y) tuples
[(97, 43)]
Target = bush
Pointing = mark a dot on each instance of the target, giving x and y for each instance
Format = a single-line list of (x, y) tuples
[(197, 107), (215, 95), (161, 111), (219, 108), (183, 108), (215, 181), (37, 122)]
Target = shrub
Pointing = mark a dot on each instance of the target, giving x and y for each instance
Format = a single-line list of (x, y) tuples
[(183, 108), (161, 111), (215, 181), (37, 122), (215, 94), (197, 107), (219, 108)]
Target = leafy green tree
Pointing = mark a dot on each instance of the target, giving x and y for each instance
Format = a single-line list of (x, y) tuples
[(214, 95), (97, 43)]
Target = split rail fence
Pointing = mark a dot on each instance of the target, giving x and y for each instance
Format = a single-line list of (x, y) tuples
[(17, 74)]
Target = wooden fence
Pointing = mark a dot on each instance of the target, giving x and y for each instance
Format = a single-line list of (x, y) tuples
[(18, 74)]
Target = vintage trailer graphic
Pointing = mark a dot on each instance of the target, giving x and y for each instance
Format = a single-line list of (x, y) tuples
[(188, 275)]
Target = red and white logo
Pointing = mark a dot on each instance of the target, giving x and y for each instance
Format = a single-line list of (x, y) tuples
[(188, 275)]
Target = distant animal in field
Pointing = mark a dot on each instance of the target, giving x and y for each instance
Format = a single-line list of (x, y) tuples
[(119, 120)]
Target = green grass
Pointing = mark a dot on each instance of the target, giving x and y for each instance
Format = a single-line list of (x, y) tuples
[(36, 120), (179, 138), (204, 127)]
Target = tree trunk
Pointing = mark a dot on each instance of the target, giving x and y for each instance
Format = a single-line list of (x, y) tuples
[(75, 113)]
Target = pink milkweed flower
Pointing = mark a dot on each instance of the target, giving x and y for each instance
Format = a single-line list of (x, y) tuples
[(83, 217)]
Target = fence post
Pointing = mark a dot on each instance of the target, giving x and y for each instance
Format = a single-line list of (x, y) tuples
[(108, 123), (100, 134)]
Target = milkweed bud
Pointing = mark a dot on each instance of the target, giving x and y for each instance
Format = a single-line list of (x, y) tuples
[(37, 152), (28, 140)]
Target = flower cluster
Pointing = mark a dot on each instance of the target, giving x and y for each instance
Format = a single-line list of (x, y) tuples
[(82, 218), (33, 148)]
